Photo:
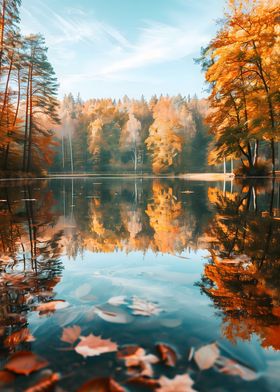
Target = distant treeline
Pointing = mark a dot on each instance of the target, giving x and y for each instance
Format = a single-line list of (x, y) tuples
[(162, 135), (28, 104)]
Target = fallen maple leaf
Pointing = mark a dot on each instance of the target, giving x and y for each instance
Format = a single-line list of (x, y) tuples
[(182, 383), (71, 334), (167, 354), (25, 362), (136, 357), (101, 385), (94, 345), (142, 307), (206, 356), (44, 384), (233, 368), (19, 337)]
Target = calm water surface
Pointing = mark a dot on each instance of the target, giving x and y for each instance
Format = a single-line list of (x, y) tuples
[(140, 262)]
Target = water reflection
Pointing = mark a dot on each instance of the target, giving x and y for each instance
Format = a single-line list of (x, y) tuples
[(243, 275), (221, 239)]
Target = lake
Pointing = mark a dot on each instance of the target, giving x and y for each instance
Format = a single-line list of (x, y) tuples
[(139, 284)]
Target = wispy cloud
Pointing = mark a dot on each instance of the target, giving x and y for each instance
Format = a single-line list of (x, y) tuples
[(97, 50), (158, 43)]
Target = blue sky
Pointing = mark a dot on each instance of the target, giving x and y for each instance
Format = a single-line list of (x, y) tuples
[(109, 48)]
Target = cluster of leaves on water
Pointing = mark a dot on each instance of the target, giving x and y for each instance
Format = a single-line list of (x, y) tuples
[(138, 363)]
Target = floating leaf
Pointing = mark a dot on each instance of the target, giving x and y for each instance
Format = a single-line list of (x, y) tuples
[(182, 383), (44, 384), (170, 323), (83, 290), (19, 337), (233, 368), (206, 356), (94, 345), (142, 307), (6, 377), (101, 385), (119, 316), (52, 306), (117, 301), (25, 362), (167, 354), (135, 356), (71, 334)]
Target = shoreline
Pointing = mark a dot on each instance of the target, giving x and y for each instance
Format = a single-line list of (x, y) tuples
[(188, 176)]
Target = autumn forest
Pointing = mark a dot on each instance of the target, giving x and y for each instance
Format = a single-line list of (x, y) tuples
[(239, 122)]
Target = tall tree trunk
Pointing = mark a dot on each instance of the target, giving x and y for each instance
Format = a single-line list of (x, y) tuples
[(26, 121), (256, 153), (29, 151), (2, 35), (272, 144), (71, 151), (14, 122), (63, 151), (269, 103), (6, 94)]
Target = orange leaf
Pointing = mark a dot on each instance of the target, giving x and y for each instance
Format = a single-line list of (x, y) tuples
[(71, 334), (51, 306), (206, 356), (101, 385), (25, 362), (181, 382), (44, 384), (6, 377), (144, 382), (167, 354), (94, 345), (19, 337)]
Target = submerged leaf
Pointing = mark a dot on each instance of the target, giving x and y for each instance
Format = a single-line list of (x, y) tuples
[(71, 334), (101, 385), (118, 317), (135, 356), (117, 301), (167, 354), (25, 362), (142, 307), (94, 345), (182, 383), (233, 368), (83, 290), (206, 356)]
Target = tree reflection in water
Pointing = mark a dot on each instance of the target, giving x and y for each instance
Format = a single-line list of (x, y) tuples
[(243, 275), (45, 225)]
